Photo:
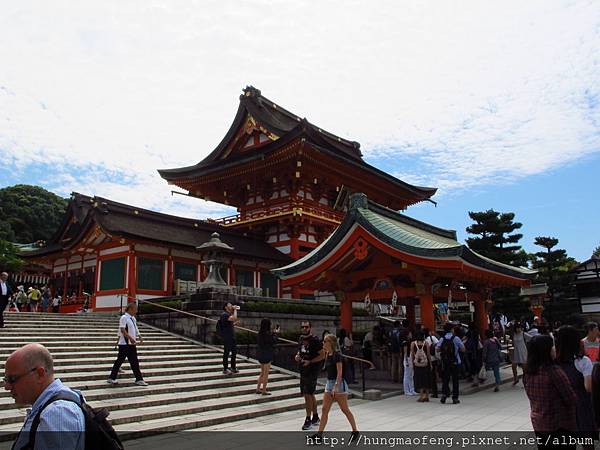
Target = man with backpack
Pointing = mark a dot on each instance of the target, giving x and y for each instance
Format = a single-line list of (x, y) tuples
[(59, 417), (449, 349), (225, 329)]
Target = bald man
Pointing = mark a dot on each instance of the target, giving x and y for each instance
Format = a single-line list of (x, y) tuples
[(29, 376)]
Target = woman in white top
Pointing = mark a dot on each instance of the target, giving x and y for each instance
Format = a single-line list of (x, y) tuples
[(519, 353), (408, 382)]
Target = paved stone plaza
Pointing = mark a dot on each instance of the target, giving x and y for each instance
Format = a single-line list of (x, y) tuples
[(507, 410)]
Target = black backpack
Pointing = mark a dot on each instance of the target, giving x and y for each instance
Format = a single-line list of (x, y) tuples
[(219, 327), (448, 351), (99, 433)]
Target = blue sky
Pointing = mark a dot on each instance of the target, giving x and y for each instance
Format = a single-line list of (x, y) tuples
[(495, 103)]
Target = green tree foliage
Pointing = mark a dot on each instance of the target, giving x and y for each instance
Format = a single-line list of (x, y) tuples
[(9, 261), (553, 267), (29, 213), (597, 252), (496, 238)]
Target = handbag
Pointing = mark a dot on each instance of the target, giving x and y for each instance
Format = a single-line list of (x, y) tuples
[(482, 373)]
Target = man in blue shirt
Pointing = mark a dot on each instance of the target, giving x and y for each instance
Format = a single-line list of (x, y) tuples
[(29, 376), (449, 349)]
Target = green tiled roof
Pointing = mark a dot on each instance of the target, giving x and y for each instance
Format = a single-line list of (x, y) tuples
[(404, 234)]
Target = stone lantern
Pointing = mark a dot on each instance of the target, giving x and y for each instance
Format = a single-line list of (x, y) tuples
[(213, 292), (214, 249)]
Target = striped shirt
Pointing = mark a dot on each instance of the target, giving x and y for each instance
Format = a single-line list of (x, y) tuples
[(62, 423)]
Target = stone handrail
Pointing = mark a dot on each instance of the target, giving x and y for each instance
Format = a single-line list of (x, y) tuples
[(187, 313)]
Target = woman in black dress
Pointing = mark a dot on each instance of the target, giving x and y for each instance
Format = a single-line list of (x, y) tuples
[(267, 340), (421, 360)]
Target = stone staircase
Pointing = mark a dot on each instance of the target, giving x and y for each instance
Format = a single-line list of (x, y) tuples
[(187, 389)]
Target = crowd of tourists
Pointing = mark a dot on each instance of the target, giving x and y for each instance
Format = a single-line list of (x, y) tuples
[(36, 298), (561, 375)]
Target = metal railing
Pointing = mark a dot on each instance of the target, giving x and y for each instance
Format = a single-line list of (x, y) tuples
[(202, 335)]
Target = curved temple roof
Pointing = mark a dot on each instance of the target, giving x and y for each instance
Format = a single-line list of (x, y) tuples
[(283, 126), (123, 220), (402, 233)]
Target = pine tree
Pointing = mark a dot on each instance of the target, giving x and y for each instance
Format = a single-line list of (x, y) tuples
[(494, 230), (495, 241), (597, 252), (553, 267)]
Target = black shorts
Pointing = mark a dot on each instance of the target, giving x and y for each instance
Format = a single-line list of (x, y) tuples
[(308, 380)]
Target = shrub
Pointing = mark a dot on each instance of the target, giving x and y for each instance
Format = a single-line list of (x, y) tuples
[(147, 308)]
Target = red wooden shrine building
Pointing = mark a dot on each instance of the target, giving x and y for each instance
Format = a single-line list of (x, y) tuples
[(386, 255), (288, 178), (114, 251), (291, 182)]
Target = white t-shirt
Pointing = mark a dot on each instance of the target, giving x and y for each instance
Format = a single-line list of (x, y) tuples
[(432, 343), (128, 321), (3, 288), (584, 365)]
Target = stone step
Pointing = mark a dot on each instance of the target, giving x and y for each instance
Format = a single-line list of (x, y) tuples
[(54, 349), (193, 421), (109, 337), (109, 392), (133, 415), (144, 359), (127, 381), (149, 400), (138, 408), (207, 419), (147, 354), (76, 344), (99, 374), (12, 325), (112, 331), (187, 388), (106, 366), (59, 319)]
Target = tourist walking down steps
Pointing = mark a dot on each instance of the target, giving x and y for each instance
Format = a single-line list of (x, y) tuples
[(5, 294), (128, 340)]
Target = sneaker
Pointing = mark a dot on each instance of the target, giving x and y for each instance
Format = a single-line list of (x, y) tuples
[(307, 424), (455, 401), (141, 383), (443, 399), (227, 372), (496, 389), (111, 381), (235, 371), (315, 421), (353, 437)]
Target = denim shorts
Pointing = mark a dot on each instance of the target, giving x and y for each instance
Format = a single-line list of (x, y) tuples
[(341, 389)]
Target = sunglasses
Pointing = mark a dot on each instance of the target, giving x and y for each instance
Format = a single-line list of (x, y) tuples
[(15, 378), (305, 326)]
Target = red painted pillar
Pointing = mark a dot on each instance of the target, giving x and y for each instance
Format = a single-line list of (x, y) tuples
[(131, 276), (346, 315), (170, 270), (427, 314), (410, 311), (481, 316)]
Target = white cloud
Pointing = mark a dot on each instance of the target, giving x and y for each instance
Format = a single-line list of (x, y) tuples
[(477, 92)]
